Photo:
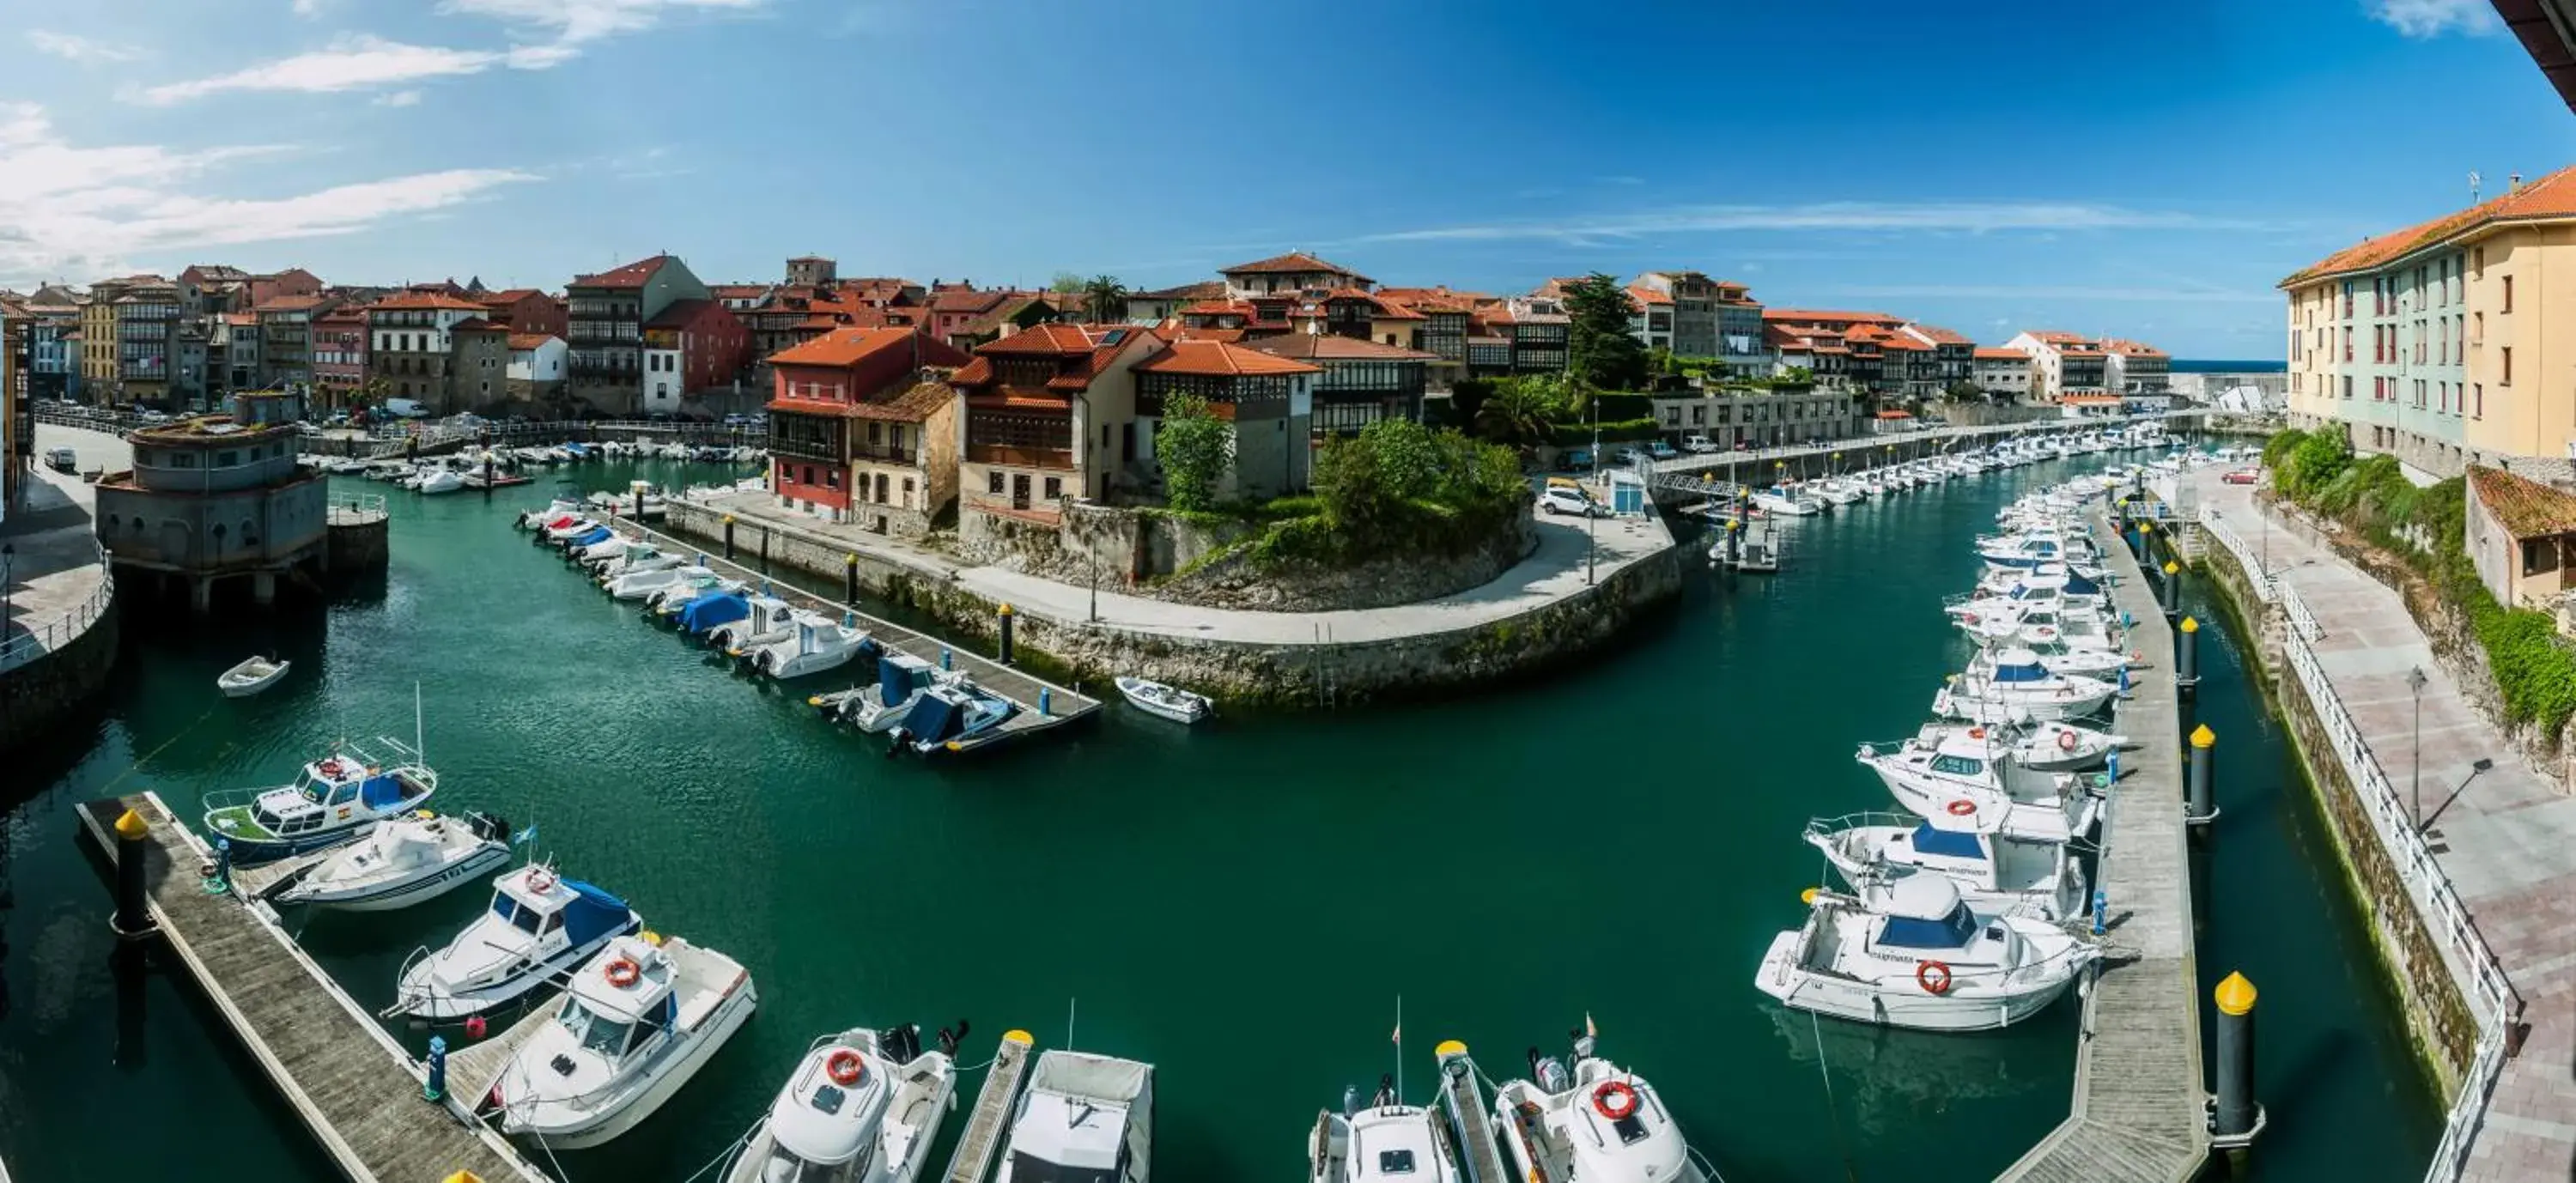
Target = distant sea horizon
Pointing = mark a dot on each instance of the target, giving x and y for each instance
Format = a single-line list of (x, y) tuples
[(2209, 366)]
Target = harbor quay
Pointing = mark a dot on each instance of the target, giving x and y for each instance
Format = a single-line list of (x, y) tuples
[(541, 700)]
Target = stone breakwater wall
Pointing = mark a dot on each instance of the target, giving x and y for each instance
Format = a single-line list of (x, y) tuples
[(43, 693), (1327, 673)]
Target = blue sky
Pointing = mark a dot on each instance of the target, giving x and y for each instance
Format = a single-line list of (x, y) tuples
[(2148, 170)]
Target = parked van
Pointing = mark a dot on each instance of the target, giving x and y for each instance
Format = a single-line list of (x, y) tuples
[(62, 460)]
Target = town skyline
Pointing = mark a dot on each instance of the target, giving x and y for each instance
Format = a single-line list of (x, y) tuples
[(390, 147)]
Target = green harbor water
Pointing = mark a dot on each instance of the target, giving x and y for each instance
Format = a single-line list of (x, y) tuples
[(1241, 905)]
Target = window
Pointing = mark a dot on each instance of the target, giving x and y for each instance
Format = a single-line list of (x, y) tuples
[(2507, 304), (809, 474), (993, 481), (2505, 375), (2347, 342), (2478, 327), (2478, 262), (2347, 386), (2477, 400), (1054, 488)]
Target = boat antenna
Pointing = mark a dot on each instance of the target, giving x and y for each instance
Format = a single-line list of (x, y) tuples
[(1399, 1049), (1068, 1022), (419, 748)]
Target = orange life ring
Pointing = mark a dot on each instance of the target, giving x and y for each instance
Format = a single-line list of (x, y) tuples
[(2065, 741), (622, 973), (1933, 976), (845, 1067), (1961, 807), (331, 768), (540, 880), (1976, 733), (1615, 1100)]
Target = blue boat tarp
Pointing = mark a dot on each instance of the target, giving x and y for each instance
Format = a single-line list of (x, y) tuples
[(1950, 932), (2021, 673), (898, 675), (597, 534), (381, 791), (931, 718), (1945, 842), (706, 612), (593, 913)]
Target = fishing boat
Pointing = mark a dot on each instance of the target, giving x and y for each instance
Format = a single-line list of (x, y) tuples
[(1385, 1141), (1598, 1123), (338, 797), (644, 583), (2037, 745), (253, 675), (1910, 953), (539, 927), (1961, 776), (1166, 702), (1999, 682), (951, 716), (1082, 1117), (769, 621), (638, 1021), (405, 861), (1997, 872), (817, 645), (901, 681), (862, 1107)]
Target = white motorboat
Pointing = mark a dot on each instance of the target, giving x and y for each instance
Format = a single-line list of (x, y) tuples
[(1787, 502), (816, 644), (558, 510), (635, 562), (1910, 953), (338, 797), (1999, 682), (862, 1107), (2037, 745), (653, 580), (1598, 1124), (1082, 1117), (2032, 548), (1997, 872), (1167, 702), (767, 621), (901, 680), (608, 550), (2075, 628), (2058, 657), (1962, 775), (560, 532), (538, 928), (1837, 491), (444, 480), (1386, 1141), (637, 1022), (253, 675), (404, 861)]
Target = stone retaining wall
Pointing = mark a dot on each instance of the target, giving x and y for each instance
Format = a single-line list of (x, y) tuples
[(1326, 674), (40, 695)]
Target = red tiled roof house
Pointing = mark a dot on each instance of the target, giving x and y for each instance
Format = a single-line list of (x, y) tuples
[(1049, 414), (863, 428)]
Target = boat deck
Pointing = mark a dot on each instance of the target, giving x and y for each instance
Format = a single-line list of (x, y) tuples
[(1479, 1154), (350, 1082), (2138, 1114), (1063, 705), (472, 1071), (982, 1139)]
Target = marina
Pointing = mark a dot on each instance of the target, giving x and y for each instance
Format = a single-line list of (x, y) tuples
[(1997, 1093)]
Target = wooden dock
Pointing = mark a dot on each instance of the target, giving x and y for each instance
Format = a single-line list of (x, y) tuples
[(1479, 1154), (2138, 1113), (356, 1088), (987, 1122), (1063, 705)]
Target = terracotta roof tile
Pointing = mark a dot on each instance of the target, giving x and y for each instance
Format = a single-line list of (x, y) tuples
[(1937, 335), (428, 300), (521, 341), (2550, 197), (1829, 316), (2527, 508), (847, 346), (474, 324), (1289, 264), (1220, 359), (1998, 354), (1334, 347), (632, 275)]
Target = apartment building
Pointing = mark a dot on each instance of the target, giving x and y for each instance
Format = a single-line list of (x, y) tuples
[(411, 347), (1690, 302), (862, 429), (606, 314), (286, 337), (1049, 415), (1291, 274), (2002, 372), (148, 356), (339, 343), (1267, 399), (2450, 342), (689, 346)]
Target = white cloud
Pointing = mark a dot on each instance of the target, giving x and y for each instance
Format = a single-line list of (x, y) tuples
[(1956, 217), (67, 210), (399, 98), (572, 22), (350, 63), (2432, 18), (87, 52), (308, 7)]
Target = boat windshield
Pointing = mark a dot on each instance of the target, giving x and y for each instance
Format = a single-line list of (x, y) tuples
[(525, 919), (1957, 765), (597, 1032)]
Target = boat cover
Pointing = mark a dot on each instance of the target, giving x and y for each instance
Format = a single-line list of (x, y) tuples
[(2077, 585), (597, 534), (1079, 1074), (897, 674), (593, 913), (1947, 843), (932, 718), (708, 611), (2033, 672), (381, 791)]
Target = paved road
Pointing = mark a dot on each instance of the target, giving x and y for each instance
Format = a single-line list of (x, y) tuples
[(52, 566), (2507, 839), (1554, 570)]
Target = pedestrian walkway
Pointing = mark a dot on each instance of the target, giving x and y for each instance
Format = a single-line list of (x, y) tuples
[(55, 577), (1562, 565), (2506, 837)]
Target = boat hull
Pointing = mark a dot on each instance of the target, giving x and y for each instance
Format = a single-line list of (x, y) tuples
[(599, 1129), (389, 896), (1965, 1008), (416, 1000)]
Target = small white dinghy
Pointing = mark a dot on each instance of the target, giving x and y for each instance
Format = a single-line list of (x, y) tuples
[(1168, 702), (404, 861), (251, 676)]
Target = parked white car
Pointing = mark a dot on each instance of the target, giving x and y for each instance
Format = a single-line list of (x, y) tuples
[(1698, 445), (1560, 500)]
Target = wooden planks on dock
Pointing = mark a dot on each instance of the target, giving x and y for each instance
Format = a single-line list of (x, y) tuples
[(353, 1086), (987, 1122), (473, 1070), (2138, 1113)]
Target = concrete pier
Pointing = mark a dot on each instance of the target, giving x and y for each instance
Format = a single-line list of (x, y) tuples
[(2139, 1114)]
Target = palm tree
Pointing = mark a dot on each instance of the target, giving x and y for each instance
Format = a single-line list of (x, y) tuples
[(1106, 298), (1516, 414)]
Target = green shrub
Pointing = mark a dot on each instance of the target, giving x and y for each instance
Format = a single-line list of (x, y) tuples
[(1579, 435)]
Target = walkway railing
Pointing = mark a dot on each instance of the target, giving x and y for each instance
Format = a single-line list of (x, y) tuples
[(363, 506), (2498, 1007), (21, 648)]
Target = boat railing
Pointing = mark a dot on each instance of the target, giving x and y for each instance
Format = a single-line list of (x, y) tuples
[(1854, 821), (404, 996)]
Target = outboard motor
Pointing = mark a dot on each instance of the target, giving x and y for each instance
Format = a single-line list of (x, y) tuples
[(1548, 1073), (948, 1042)]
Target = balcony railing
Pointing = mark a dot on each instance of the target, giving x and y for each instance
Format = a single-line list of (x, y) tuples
[(1019, 456)]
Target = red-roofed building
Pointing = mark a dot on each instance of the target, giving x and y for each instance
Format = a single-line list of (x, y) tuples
[(525, 310), (1362, 381), (1953, 355), (605, 318), (1294, 273), (411, 346), (2001, 372), (691, 345), (537, 369), (863, 428), (1268, 398), (292, 283), (2063, 364), (1050, 415)]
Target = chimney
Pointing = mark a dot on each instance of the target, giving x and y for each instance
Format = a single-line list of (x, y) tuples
[(2513, 183)]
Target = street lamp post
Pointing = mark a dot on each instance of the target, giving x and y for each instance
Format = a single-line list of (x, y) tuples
[(1592, 514), (2415, 754), (8, 563)]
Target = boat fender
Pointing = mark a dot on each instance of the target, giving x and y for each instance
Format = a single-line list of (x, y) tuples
[(2065, 741), (845, 1067), (1615, 1099), (622, 973), (1933, 976), (475, 1026), (1962, 807)]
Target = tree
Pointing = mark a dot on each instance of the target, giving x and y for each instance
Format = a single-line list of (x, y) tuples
[(1962, 391), (1599, 352), (1065, 282), (1196, 450), (1106, 298), (1518, 412)]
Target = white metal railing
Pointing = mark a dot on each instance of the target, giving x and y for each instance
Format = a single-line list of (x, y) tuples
[(2266, 588), (37, 641)]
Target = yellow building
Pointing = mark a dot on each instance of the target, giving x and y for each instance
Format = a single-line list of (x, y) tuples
[(2451, 342)]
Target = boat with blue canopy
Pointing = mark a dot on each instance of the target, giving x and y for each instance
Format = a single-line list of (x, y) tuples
[(1909, 952), (1999, 873), (539, 927), (703, 614), (951, 717)]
